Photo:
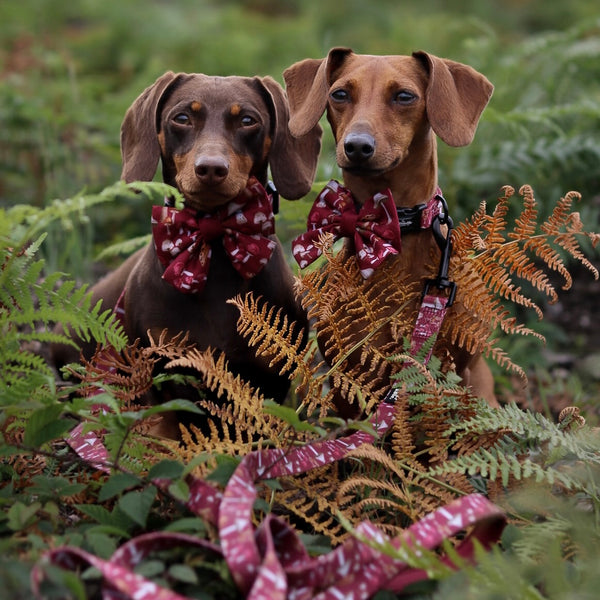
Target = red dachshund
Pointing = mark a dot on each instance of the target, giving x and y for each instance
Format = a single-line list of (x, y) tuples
[(385, 113)]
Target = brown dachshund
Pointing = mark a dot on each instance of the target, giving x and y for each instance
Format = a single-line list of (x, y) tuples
[(213, 135), (385, 113)]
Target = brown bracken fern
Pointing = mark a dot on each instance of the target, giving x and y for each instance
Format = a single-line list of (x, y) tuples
[(128, 374), (358, 325), (444, 442), (489, 261)]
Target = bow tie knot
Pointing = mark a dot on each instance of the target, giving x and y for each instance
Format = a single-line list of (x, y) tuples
[(209, 229), (373, 227), (182, 238), (348, 222)]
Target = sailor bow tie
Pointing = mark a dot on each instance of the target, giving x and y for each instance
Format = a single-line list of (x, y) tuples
[(373, 227), (182, 238)]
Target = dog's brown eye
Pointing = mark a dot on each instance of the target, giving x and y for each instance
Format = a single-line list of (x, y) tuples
[(181, 119), (248, 121), (404, 97), (340, 95)]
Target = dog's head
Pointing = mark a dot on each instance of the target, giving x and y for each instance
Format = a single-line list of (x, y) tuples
[(381, 108), (212, 134)]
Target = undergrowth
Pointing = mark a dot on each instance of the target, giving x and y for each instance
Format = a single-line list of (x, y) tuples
[(444, 443)]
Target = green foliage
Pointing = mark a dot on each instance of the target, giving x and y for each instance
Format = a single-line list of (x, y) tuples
[(62, 501), (30, 304), (541, 126), (68, 71)]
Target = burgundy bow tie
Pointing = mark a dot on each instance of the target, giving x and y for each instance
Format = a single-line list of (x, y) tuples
[(373, 227), (182, 238)]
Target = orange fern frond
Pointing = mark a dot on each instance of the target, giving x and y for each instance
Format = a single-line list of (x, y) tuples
[(356, 387), (276, 339), (495, 225), (526, 222), (369, 491), (467, 234), (558, 219), (270, 331), (488, 260), (403, 442), (128, 374), (496, 271), (393, 486), (312, 498)]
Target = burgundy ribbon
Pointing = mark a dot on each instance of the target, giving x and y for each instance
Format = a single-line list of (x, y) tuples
[(270, 562), (429, 322), (373, 227), (182, 237), (120, 580)]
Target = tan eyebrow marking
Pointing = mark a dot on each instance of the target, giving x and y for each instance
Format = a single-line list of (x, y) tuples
[(235, 109), (196, 106)]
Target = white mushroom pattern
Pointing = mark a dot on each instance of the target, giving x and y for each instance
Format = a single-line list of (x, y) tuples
[(182, 238), (373, 227)]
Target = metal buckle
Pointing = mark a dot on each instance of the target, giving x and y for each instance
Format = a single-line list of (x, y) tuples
[(410, 218)]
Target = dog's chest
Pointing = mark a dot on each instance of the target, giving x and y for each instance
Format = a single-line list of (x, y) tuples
[(207, 317)]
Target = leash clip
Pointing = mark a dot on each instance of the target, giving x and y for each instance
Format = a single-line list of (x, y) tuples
[(442, 282)]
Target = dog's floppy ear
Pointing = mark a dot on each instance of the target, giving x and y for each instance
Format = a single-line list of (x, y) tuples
[(456, 97), (140, 151), (293, 161), (307, 85)]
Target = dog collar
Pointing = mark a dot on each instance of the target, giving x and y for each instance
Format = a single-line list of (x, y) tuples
[(416, 218)]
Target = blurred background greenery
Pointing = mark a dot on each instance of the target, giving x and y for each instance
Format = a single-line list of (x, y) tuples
[(69, 70)]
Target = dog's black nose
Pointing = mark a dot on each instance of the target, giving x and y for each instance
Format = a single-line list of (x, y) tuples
[(359, 146), (212, 170)]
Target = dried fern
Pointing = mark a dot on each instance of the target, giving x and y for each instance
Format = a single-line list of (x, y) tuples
[(275, 338), (128, 374), (239, 406), (279, 340), (313, 499), (444, 441), (393, 488), (488, 259), (356, 330), (238, 422)]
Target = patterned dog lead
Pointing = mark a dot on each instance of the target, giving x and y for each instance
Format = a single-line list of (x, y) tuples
[(434, 306), (270, 562)]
